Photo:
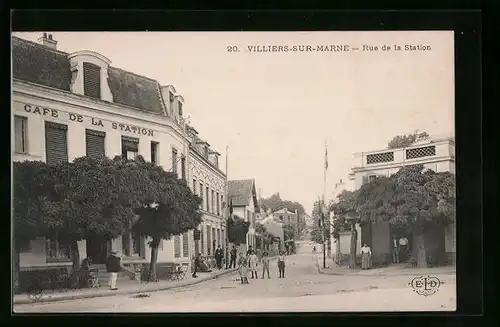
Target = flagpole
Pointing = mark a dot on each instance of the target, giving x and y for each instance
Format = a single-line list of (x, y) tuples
[(323, 207)]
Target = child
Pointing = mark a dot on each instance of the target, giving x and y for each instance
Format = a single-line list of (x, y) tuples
[(265, 264), (243, 268)]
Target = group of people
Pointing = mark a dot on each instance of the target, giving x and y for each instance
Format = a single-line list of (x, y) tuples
[(250, 262), (400, 249)]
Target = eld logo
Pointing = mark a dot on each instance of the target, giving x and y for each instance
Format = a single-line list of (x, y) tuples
[(425, 285)]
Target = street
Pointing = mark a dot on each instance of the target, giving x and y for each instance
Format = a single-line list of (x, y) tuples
[(303, 289)]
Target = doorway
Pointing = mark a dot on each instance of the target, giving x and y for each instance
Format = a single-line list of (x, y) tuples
[(98, 249)]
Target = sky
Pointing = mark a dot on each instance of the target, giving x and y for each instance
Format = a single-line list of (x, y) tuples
[(277, 110)]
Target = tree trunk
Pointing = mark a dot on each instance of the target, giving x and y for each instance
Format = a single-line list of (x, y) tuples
[(420, 252), (354, 241), (75, 258), (16, 267), (154, 259), (338, 252)]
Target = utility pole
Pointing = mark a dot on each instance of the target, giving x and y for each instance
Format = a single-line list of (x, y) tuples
[(226, 212), (323, 207)]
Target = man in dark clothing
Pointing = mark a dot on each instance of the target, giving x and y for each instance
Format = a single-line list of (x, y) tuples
[(219, 255), (197, 261), (113, 266), (233, 253)]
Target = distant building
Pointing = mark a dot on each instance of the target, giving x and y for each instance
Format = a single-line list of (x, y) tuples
[(274, 226), (287, 217), (243, 197), (437, 154)]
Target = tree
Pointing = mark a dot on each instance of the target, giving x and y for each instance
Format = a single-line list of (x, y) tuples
[(411, 199), (237, 230), (174, 211), (341, 208), (289, 232), (403, 141), (275, 203), (33, 191)]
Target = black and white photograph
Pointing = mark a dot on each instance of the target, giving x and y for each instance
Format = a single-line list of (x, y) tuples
[(292, 171)]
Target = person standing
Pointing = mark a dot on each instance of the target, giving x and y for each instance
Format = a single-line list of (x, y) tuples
[(395, 250), (249, 251), (253, 262), (219, 255), (113, 267), (281, 265), (265, 264), (403, 246), (233, 253), (243, 268), (366, 257), (197, 262)]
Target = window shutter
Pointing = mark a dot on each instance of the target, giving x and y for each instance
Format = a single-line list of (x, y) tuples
[(177, 246), (92, 80), (185, 244), (130, 143), (209, 240), (56, 143), (95, 143)]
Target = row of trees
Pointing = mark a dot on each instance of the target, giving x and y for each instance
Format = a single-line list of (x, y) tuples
[(74, 201), (413, 199)]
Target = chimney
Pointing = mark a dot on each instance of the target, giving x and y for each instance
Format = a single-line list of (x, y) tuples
[(47, 41)]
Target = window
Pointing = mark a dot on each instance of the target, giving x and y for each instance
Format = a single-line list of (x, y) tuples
[(202, 205), (180, 109), (212, 198), (91, 80), (183, 167), (202, 245), (177, 246), (218, 204), (209, 241), (154, 152), (21, 133), (94, 141), (171, 101), (216, 161), (222, 201), (218, 238), (371, 178), (194, 185), (379, 157), (214, 241), (56, 143), (174, 161), (427, 151), (185, 244), (130, 147), (207, 190), (56, 251), (206, 152)]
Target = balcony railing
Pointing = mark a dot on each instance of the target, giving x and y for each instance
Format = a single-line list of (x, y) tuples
[(410, 154)]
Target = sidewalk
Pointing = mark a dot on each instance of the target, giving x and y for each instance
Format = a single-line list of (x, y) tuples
[(126, 287), (393, 270)]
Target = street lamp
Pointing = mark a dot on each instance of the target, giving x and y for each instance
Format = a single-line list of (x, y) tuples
[(353, 218)]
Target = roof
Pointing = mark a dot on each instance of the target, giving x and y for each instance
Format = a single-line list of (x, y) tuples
[(282, 211), (35, 63), (241, 191)]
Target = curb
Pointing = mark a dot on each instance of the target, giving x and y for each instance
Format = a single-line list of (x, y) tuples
[(124, 292), (356, 274)]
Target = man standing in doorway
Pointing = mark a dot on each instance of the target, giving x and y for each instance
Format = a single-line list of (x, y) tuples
[(403, 245), (395, 250), (219, 255)]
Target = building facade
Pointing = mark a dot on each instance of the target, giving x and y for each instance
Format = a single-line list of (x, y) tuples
[(66, 106), (243, 198), (437, 154)]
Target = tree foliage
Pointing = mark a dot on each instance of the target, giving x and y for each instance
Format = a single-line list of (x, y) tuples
[(344, 205), (412, 199), (237, 230), (403, 141), (275, 203), (289, 232), (318, 229)]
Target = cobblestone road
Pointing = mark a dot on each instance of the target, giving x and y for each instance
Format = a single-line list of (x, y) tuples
[(303, 289)]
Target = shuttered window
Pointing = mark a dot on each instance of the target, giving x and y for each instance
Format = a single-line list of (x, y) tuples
[(20, 131), (209, 240), (56, 143), (219, 242), (174, 161), (214, 241), (177, 246), (130, 147), (92, 80), (94, 141), (185, 244), (202, 240)]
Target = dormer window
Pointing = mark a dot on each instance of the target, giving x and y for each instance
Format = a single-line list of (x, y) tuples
[(206, 152), (171, 101), (91, 80), (180, 109)]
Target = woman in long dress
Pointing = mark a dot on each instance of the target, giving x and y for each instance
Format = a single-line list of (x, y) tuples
[(243, 268), (366, 257)]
